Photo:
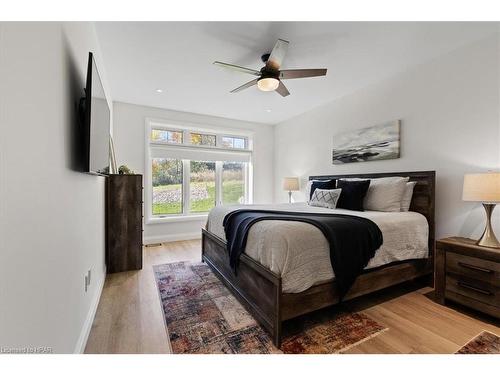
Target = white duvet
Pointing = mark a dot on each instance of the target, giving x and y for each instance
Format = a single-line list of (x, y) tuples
[(300, 253)]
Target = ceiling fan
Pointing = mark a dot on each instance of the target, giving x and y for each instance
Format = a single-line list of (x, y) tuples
[(270, 76)]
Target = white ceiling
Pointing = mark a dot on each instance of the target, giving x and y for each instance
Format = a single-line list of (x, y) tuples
[(177, 57)]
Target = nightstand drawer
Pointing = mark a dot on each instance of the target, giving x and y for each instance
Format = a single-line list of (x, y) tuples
[(474, 268), (475, 289), (472, 303)]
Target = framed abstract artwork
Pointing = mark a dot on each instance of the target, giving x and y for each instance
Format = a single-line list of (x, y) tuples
[(379, 142)]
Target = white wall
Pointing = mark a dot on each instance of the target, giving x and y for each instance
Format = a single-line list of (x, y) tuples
[(129, 140), (449, 109), (51, 217)]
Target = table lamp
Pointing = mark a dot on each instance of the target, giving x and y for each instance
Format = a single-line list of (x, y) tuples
[(290, 184), (484, 188)]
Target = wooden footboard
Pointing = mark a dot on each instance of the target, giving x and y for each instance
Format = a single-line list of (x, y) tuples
[(256, 287)]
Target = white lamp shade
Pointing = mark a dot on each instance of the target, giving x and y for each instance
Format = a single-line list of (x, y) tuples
[(291, 183), (482, 187)]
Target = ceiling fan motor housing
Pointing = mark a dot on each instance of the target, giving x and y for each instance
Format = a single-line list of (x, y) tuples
[(269, 73)]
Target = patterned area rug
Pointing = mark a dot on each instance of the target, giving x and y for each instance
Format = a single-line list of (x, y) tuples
[(202, 316), (484, 343)]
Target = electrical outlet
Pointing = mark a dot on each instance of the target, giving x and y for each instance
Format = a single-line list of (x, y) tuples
[(87, 280)]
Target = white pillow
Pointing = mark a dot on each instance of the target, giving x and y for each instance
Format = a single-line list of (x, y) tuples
[(407, 195), (308, 190), (384, 194), (325, 198)]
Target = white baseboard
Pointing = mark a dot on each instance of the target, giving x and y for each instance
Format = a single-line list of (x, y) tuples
[(87, 325), (172, 237)]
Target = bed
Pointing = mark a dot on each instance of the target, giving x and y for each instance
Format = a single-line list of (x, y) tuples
[(285, 270)]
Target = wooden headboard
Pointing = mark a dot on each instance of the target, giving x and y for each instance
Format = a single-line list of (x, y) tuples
[(423, 200)]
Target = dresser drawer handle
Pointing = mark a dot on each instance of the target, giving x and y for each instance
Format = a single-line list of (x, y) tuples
[(476, 289), (475, 268)]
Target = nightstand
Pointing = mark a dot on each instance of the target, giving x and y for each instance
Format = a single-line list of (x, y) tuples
[(468, 274)]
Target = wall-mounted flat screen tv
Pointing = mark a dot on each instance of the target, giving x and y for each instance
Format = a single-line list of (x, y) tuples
[(96, 122)]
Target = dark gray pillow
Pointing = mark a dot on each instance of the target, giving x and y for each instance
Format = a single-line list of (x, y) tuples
[(353, 194)]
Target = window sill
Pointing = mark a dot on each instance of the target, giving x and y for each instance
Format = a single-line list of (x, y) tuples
[(180, 218)]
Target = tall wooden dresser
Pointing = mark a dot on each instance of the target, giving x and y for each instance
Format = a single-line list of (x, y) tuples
[(123, 223)]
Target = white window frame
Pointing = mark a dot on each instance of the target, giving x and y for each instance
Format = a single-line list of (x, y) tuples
[(186, 128)]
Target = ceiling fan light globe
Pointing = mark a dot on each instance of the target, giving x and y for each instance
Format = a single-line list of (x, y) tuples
[(268, 84)]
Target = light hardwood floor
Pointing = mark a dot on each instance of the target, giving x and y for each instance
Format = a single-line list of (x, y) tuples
[(129, 317)]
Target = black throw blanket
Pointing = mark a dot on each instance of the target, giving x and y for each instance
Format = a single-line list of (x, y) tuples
[(353, 240)]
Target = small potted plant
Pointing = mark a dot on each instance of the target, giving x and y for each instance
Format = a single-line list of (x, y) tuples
[(125, 170)]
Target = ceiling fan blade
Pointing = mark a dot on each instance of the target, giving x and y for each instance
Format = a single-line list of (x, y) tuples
[(245, 86), (238, 68), (282, 90), (277, 55), (302, 73)]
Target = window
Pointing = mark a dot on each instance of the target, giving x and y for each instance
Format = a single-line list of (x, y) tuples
[(167, 186), (203, 139), (233, 183), (202, 186), (189, 171), (233, 142), (166, 136)]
